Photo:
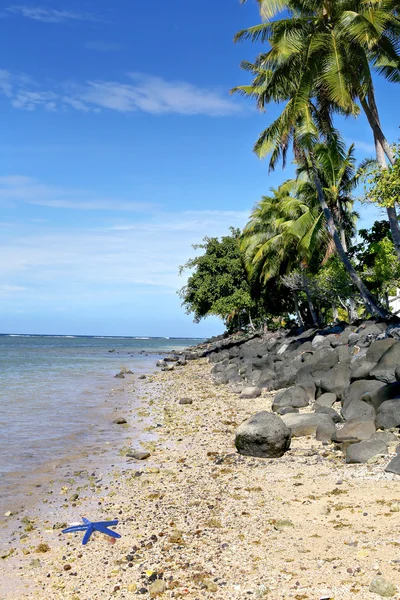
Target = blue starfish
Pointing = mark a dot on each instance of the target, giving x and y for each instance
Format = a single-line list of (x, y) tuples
[(90, 527)]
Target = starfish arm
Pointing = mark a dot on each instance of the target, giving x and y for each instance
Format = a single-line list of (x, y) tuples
[(87, 535), (107, 531), (75, 528)]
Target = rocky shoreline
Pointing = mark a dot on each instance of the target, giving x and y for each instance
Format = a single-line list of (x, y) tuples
[(346, 377), (200, 520)]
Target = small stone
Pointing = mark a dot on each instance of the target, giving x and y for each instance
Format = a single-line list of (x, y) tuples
[(138, 454), (8, 513), (142, 377), (383, 587), (120, 421), (67, 567), (119, 376), (185, 401), (157, 588)]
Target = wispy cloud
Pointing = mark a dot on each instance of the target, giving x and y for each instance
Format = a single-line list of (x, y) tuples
[(140, 92), (26, 189), (45, 15), (102, 46), (365, 147)]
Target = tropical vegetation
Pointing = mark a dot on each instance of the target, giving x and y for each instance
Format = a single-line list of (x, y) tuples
[(320, 63)]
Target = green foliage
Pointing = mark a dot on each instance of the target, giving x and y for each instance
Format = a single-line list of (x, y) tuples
[(377, 259), (218, 284), (383, 185)]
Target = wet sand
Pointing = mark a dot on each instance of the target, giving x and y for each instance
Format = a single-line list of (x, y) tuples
[(199, 521)]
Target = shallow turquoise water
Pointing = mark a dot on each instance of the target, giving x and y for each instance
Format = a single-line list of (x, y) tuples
[(53, 391)]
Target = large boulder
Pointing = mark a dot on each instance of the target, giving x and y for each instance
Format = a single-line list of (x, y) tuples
[(377, 349), (326, 410), (355, 431), (293, 396), (382, 394), (386, 366), (327, 399), (337, 379), (357, 389), (358, 410), (388, 414), (363, 451), (264, 435), (394, 465), (307, 424)]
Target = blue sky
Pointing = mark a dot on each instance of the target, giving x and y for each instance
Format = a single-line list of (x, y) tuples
[(120, 147)]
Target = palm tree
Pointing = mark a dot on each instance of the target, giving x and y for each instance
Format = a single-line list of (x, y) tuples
[(284, 233), (329, 48)]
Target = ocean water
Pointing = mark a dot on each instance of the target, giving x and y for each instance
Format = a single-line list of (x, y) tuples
[(54, 392)]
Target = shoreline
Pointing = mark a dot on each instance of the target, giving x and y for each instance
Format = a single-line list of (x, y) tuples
[(201, 520)]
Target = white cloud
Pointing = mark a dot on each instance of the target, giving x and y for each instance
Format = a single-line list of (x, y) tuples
[(26, 189), (139, 93), (85, 264), (45, 15)]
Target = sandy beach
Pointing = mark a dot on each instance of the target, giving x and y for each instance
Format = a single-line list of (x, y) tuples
[(198, 520)]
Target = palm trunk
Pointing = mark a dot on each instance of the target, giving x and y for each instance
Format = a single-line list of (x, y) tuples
[(335, 313), (297, 309), (366, 295), (251, 322), (352, 310), (382, 147), (371, 112), (313, 312)]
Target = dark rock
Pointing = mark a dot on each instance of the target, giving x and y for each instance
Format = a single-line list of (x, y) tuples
[(119, 376), (138, 454), (352, 338), (168, 368), (142, 377), (285, 410), (382, 394), (160, 363), (394, 465), (326, 410), (386, 367), (388, 414), (305, 380), (293, 396), (325, 432), (344, 336), (363, 451), (263, 435), (250, 392), (186, 401), (120, 421), (393, 331), (343, 353), (362, 370), (327, 399), (307, 424), (355, 430), (378, 349), (357, 389), (317, 340), (336, 380), (385, 436), (358, 410)]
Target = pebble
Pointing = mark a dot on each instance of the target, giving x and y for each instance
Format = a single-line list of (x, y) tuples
[(157, 588), (138, 454), (8, 513), (185, 401), (383, 587), (120, 421)]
